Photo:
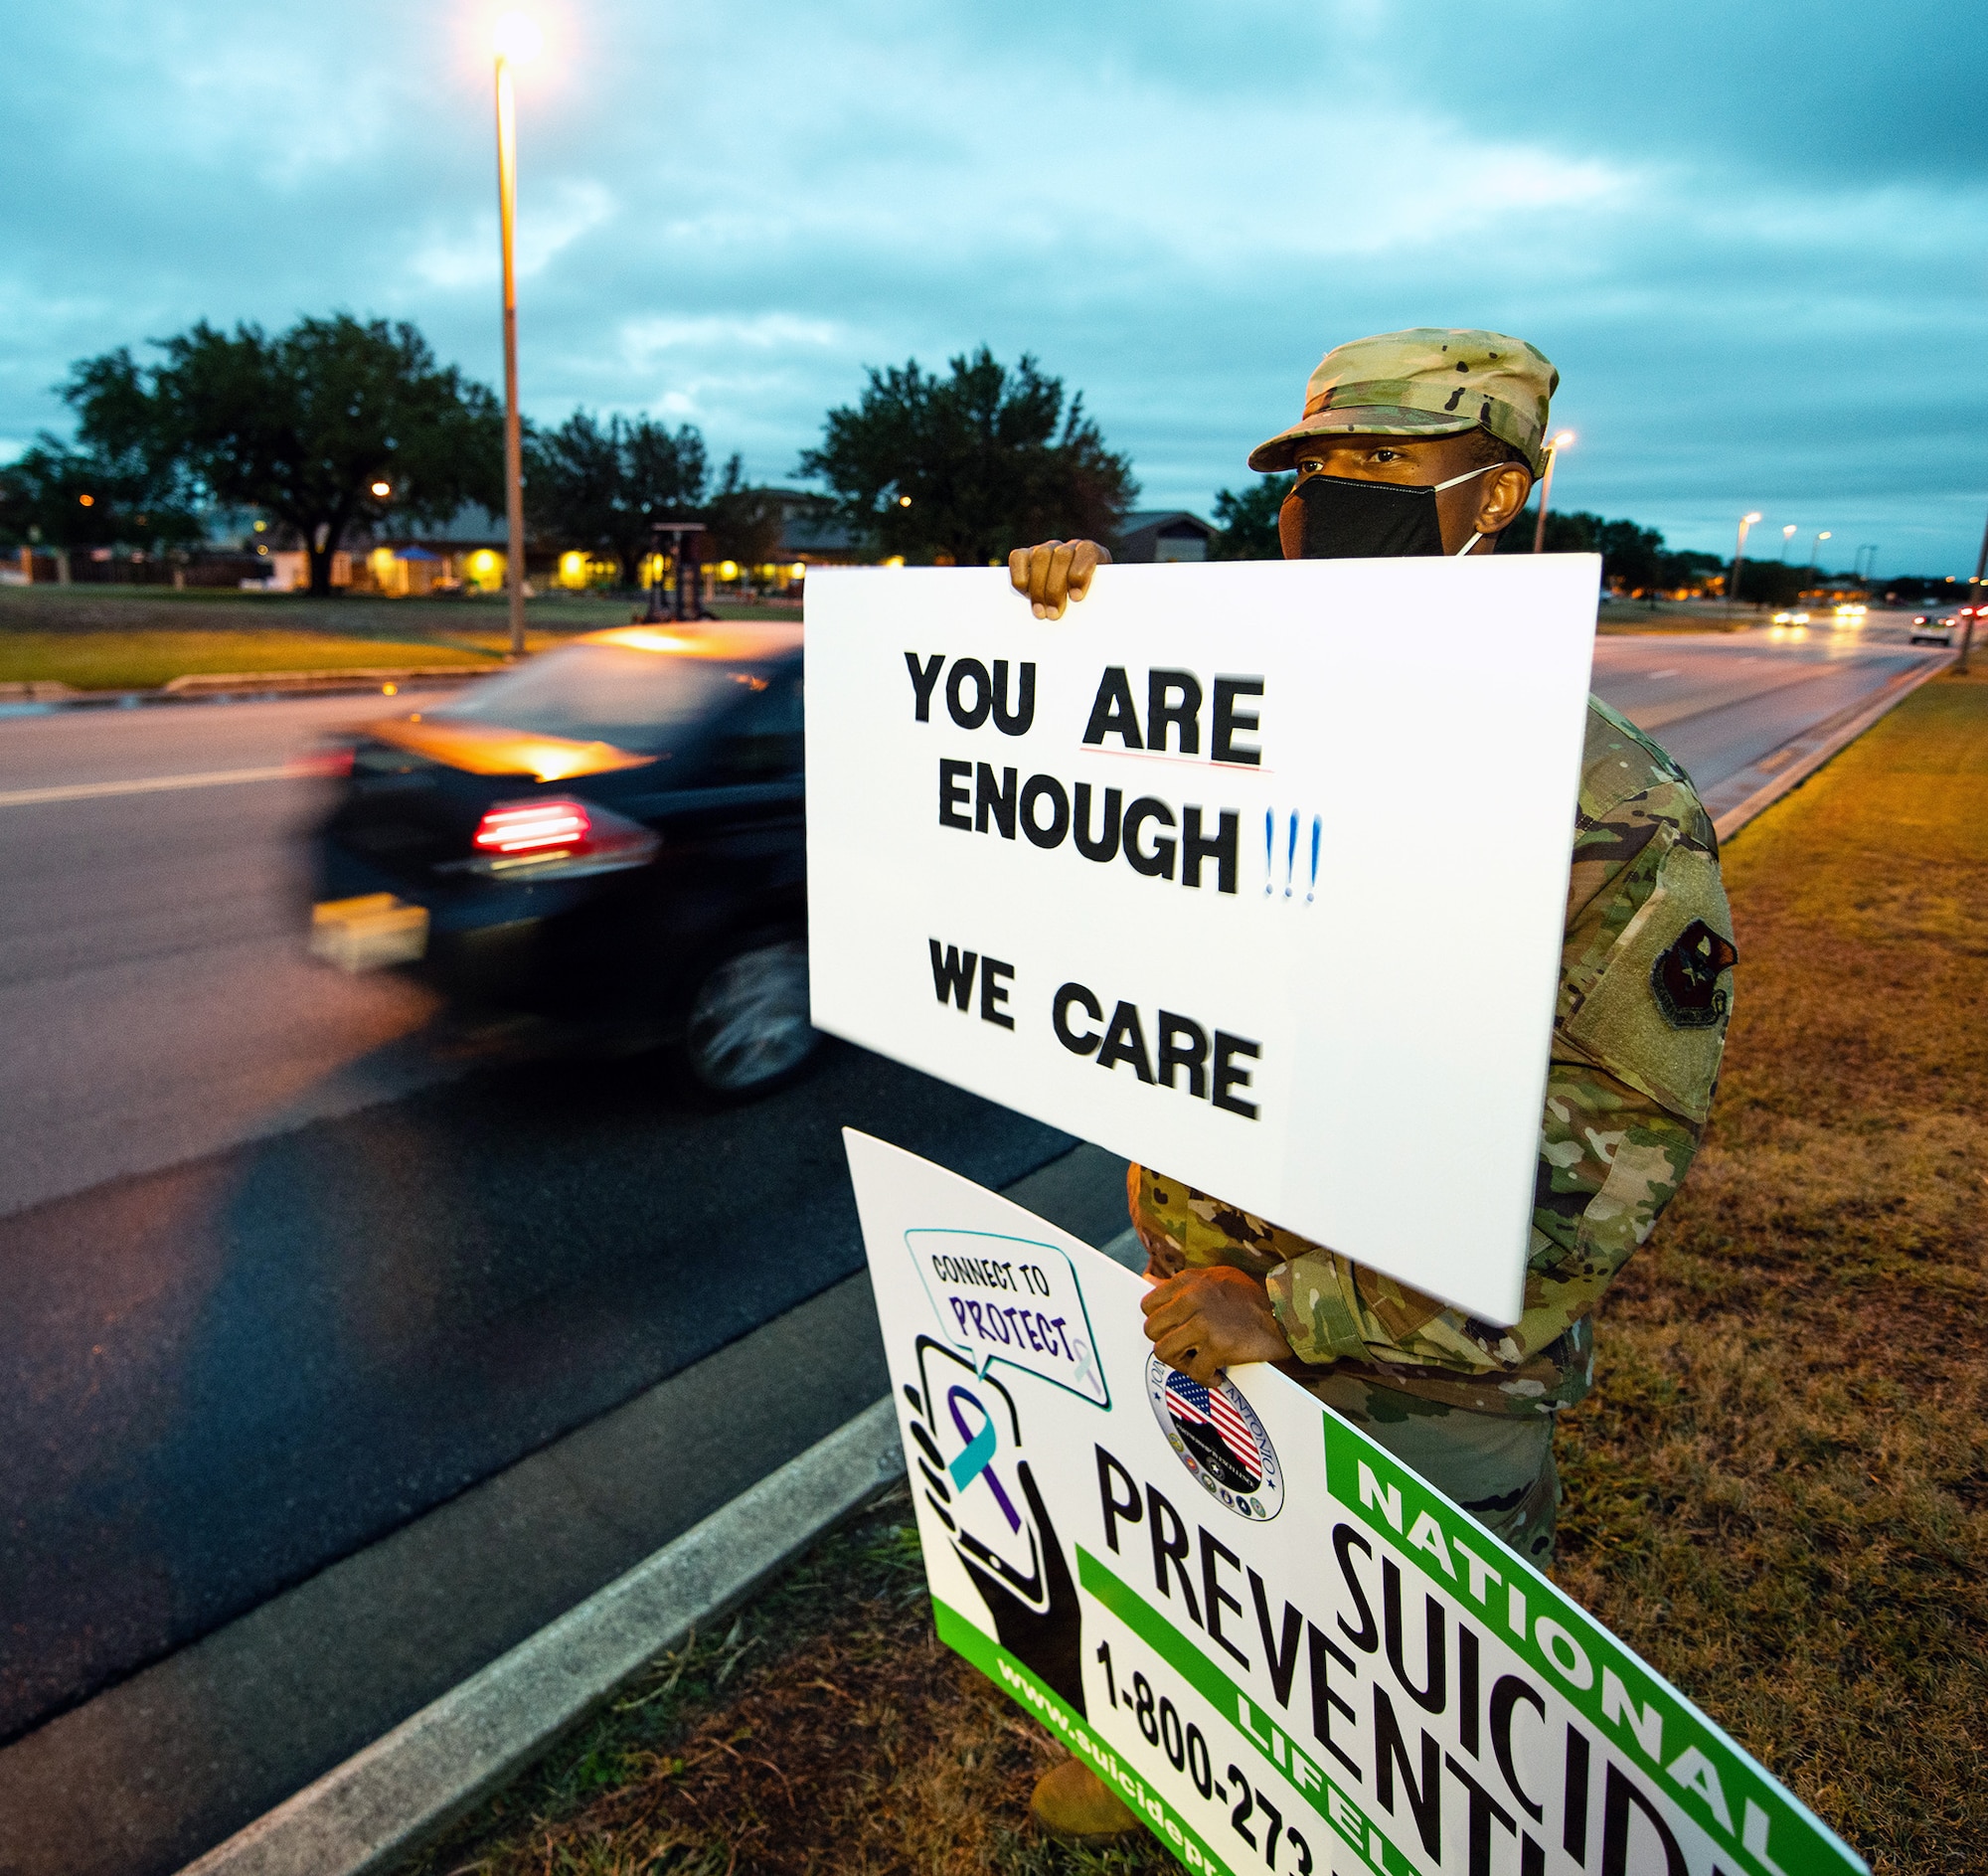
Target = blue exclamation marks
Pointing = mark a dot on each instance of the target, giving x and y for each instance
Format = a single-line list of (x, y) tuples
[(1291, 853), (1312, 890)]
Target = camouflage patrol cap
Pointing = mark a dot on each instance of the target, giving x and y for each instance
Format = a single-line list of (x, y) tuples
[(1432, 381)]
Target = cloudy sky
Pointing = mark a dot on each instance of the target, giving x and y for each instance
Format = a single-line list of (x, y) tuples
[(1754, 239)]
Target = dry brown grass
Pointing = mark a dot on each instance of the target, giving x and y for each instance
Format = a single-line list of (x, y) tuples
[(1776, 1492), (1780, 1491), (827, 1730)]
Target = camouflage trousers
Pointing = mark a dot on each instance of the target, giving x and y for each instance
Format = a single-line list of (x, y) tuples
[(1498, 1468)]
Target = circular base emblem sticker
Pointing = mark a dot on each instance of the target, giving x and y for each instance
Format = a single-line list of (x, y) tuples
[(1219, 1438)]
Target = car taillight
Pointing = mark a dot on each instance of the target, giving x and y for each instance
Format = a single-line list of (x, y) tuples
[(533, 827), (560, 838)]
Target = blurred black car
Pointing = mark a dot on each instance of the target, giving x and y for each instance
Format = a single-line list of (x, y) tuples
[(610, 837)]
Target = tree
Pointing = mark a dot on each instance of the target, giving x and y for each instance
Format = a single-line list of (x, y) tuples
[(1632, 557), (303, 424), (599, 487), (964, 467), (115, 485), (50, 495), (745, 523), (1248, 520)]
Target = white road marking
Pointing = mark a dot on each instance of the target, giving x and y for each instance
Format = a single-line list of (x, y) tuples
[(1672, 672), (151, 784)]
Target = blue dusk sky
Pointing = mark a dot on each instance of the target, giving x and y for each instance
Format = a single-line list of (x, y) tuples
[(1754, 239)]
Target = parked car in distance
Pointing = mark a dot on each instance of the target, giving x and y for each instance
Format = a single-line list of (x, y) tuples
[(1937, 628), (611, 836)]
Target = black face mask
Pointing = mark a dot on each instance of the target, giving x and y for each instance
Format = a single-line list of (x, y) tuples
[(1348, 519)]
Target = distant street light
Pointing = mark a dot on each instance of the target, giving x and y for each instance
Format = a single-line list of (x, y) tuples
[(1815, 548), (383, 489), (517, 40), (1740, 553), (1787, 535), (904, 501), (1564, 440), (1870, 572)]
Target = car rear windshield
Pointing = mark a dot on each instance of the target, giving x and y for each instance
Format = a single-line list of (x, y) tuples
[(642, 700)]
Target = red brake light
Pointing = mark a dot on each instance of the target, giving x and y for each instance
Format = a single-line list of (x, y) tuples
[(533, 827)]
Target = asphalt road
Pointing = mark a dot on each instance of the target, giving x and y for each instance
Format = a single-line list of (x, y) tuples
[(1720, 703), (287, 1260)]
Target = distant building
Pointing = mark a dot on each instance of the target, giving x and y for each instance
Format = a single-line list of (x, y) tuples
[(1162, 534), (814, 533)]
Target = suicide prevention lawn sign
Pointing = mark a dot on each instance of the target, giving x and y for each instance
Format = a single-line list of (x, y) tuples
[(1283, 1649), (1254, 873)]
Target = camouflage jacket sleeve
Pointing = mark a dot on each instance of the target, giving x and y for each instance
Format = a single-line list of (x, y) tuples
[(1644, 993)]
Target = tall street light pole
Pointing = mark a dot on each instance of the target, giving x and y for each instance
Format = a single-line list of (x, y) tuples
[(1553, 447), (1974, 601), (1740, 553), (1787, 535), (517, 40), (1815, 551)]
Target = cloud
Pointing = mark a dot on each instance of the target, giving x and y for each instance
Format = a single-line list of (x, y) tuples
[(1754, 244)]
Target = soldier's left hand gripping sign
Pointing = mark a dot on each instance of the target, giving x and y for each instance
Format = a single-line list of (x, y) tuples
[(1282, 1649), (1255, 872)]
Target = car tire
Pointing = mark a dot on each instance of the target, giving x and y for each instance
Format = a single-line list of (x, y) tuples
[(747, 1030)]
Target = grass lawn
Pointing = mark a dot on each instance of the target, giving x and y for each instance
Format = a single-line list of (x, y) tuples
[(1673, 615), (143, 661), (138, 637), (1778, 1492)]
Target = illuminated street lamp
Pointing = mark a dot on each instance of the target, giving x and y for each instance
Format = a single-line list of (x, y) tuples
[(517, 40), (383, 489), (1740, 553), (1554, 447), (1815, 548), (1787, 535)]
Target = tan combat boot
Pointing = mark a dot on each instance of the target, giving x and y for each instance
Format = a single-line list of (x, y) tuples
[(1072, 1800)]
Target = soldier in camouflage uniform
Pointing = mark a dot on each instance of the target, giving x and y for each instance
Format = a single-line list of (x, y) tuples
[(1456, 420)]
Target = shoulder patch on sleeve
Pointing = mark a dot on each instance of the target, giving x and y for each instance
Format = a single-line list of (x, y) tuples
[(1684, 978), (1655, 1013)]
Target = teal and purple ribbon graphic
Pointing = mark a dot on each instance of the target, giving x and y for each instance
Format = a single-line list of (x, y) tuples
[(976, 1459)]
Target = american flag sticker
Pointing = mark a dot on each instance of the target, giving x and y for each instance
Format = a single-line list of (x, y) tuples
[(1216, 1434)]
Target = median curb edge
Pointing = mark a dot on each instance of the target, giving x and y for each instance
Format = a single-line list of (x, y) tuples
[(391, 1796)]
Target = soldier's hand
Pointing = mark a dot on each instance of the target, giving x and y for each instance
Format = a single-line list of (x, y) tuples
[(1055, 573), (1204, 1321)]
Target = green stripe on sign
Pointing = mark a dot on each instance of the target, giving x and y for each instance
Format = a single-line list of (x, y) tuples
[(1029, 1693), (1762, 1829), (1271, 1741)]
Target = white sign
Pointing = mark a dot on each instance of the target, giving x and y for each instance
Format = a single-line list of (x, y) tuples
[(1255, 872), (1283, 1649)]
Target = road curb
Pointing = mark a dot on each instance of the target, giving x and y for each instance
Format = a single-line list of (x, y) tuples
[(47, 696), (1810, 755), (288, 683), (385, 1802)]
